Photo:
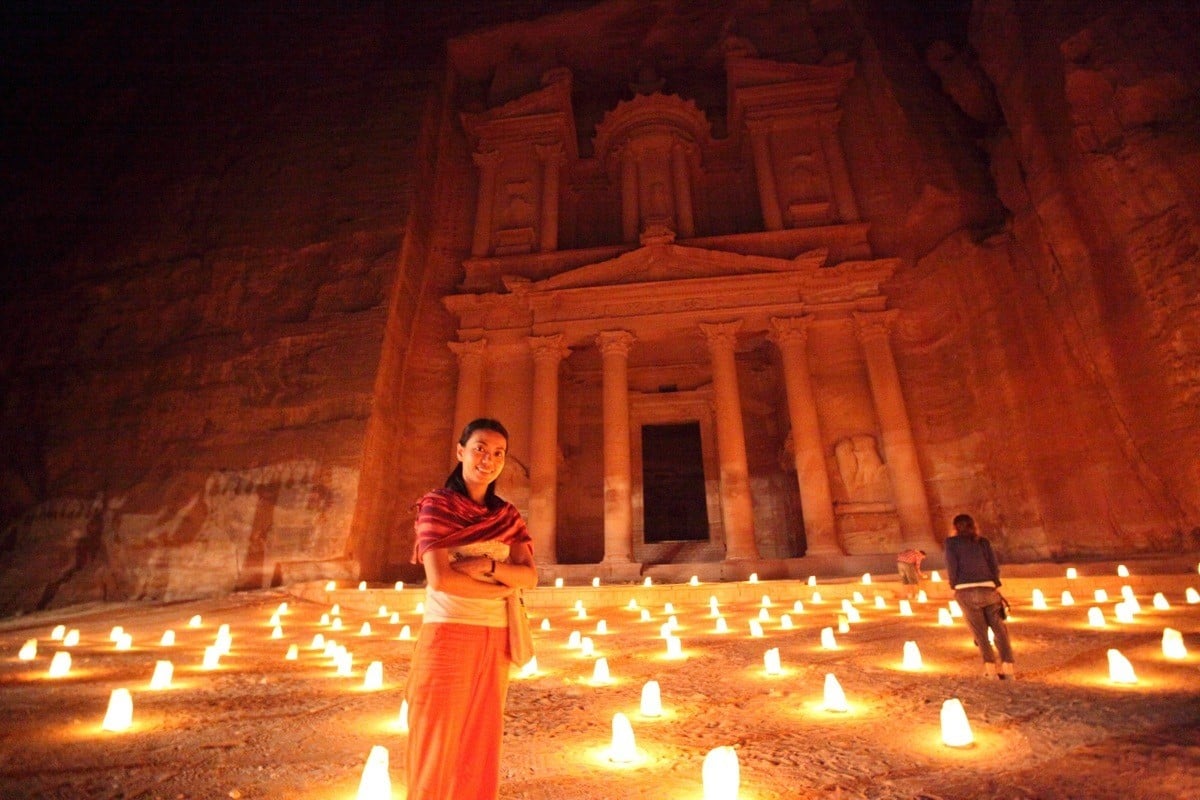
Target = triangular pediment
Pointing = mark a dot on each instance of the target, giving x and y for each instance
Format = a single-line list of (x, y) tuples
[(658, 263)]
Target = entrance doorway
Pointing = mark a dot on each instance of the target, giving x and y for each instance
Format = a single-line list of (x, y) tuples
[(674, 507)]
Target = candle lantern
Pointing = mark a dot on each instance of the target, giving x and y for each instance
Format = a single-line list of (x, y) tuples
[(721, 774), (866, 579), (754, 577), (374, 677), (912, 656), (72, 638), (756, 628), (827, 640), (1119, 668), (944, 617), (293, 652), (956, 730), (28, 650), (1096, 617), (695, 581), (119, 715), (1100, 595), (785, 621), (1160, 602), (1039, 600), (164, 671), (834, 698), (58, 633), (674, 647), (771, 662), (651, 705), (1172, 644), (934, 577), (60, 664), (595, 583), (922, 597), (623, 749), (1122, 571), (1072, 573), (1192, 596), (1068, 599), (402, 720), (376, 782), (721, 625), (600, 673), (905, 608), (798, 607), (587, 647)]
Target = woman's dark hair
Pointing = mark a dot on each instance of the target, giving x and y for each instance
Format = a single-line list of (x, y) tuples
[(455, 479), (964, 524)]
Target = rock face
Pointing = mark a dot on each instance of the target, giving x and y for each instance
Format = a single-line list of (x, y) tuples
[(224, 352)]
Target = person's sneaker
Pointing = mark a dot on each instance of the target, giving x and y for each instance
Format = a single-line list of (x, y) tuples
[(1007, 672), (989, 669)]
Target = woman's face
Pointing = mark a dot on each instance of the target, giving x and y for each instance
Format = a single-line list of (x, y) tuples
[(482, 458)]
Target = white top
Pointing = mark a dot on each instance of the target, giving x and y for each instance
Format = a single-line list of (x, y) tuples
[(446, 607)]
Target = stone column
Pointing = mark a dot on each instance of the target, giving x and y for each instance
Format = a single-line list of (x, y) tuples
[(551, 157), (820, 529), (764, 172), (900, 451), (630, 213), (548, 352), (468, 403), (618, 498), (737, 510), (487, 162), (839, 175), (682, 187)]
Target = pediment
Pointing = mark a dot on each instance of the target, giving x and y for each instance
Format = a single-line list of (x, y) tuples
[(659, 263)]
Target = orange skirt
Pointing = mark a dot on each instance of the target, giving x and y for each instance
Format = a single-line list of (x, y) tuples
[(456, 690)]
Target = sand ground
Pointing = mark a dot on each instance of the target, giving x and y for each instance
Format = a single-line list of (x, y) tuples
[(260, 726)]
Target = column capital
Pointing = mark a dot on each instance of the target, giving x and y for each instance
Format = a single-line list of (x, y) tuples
[(870, 325), (551, 152), (466, 350), (614, 342), (785, 330), (485, 159), (548, 347), (721, 333)]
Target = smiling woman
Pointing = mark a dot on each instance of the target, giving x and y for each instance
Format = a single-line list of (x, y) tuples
[(476, 552)]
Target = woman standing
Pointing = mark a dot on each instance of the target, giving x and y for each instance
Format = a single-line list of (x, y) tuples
[(476, 551), (975, 577)]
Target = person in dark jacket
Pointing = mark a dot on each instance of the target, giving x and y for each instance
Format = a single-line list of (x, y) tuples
[(975, 578)]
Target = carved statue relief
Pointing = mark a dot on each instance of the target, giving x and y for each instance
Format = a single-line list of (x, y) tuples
[(863, 473)]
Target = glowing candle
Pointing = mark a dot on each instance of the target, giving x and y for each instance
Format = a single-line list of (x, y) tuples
[(798, 607), (60, 664), (1124, 612), (866, 579), (722, 626), (399, 587), (785, 621), (651, 700), (558, 583), (274, 620), (545, 624), (336, 624), (376, 782), (587, 647), (58, 633), (277, 632), (1127, 592), (955, 608), (1193, 597), (345, 662), (673, 622), (827, 640), (647, 582), (1039, 600), (1100, 595), (1172, 644), (846, 606), (906, 608), (843, 624), (330, 586), (595, 583), (374, 677), (402, 720), (714, 607), (581, 613), (645, 616), (633, 605), (669, 608), (664, 630), (695, 580), (335, 610), (1122, 571), (816, 597), (1160, 602), (812, 580), (530, 669), (1068, 599), (835, 698), (1119, 668), (116, 633), (28, 650), (600, 674), (880, 602), (293, 652), (164, 671), (721, 774), (318, 642), (195, 621), (124, 642), (365, 630), (212, 657), (771, 662), (764, 615), (72, 638), (944, 617), (956, 731), (383, 611), (623, 749), (119, 715), (754, 577), (756, 629), (934, 577), (224, 643), (362, 586), (912, 656), (674, 647), (324, 620), (1096, 617), (405, 633), (574, 641), (922, 597), (765, 602), (394, 619), (331, 649), (853, 615), (857, 598)]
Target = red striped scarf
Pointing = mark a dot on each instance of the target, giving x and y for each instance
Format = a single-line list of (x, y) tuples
[(446, 518)]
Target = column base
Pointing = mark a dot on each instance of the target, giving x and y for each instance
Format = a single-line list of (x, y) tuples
[(824, 550)]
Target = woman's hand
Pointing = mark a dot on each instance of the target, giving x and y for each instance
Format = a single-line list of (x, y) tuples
[(477, 567)]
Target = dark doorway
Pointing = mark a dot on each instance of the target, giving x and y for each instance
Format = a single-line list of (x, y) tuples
[(673, 498)]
